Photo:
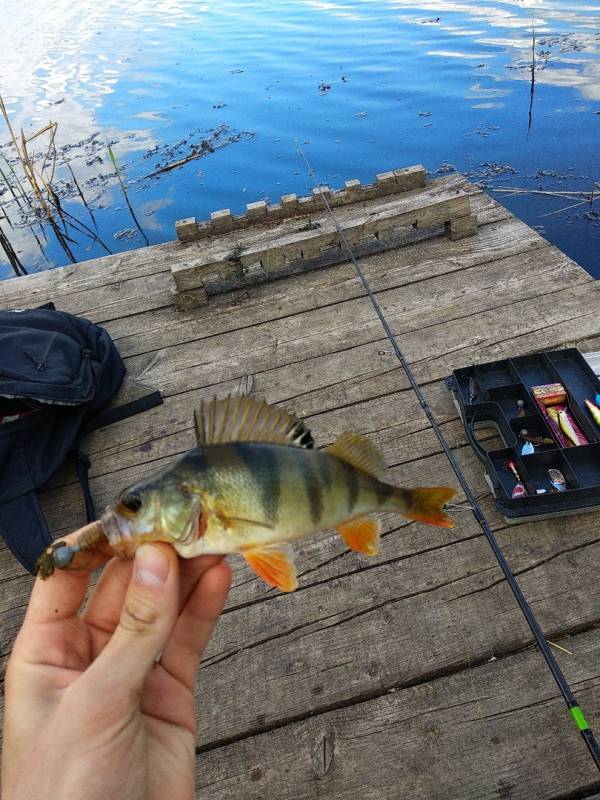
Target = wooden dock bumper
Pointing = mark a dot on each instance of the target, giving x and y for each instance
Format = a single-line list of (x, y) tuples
[(298, 235)]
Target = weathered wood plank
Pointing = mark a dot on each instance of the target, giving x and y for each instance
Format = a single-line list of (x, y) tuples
[(387, 183), (382, 356), (40, 287), (410, 310), (282, 244), (95, 288), (393, 620), (241, 310), (499, 730), (175, 416)]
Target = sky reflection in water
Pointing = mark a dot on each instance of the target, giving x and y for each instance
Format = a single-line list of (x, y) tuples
[(364, 86)]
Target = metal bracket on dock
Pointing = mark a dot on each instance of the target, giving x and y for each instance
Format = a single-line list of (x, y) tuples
[(270, 242)]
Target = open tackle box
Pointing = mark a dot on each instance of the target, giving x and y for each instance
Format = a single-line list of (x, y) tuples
[(550, 462)]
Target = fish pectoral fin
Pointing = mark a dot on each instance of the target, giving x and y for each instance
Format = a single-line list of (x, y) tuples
[(232, 522), (361, 535), (275, 565)]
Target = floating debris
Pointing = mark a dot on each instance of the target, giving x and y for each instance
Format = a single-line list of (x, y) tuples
[(126, 233)]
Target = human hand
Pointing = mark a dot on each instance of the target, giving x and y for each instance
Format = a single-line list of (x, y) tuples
[(90, 714)]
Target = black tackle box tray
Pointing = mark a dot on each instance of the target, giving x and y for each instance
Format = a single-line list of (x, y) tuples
[(499, 394)]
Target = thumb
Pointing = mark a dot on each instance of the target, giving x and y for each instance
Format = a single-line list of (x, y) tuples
[(147, 618)]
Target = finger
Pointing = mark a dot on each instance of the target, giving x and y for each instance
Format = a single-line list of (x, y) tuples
[(104, 607), (191, 570), (196, 623), (61, 595), (145, 623)]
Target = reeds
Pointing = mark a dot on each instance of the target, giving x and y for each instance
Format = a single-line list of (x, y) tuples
[(582, 197), (42, 198), (532, 84), (125, 195), (12, 257)]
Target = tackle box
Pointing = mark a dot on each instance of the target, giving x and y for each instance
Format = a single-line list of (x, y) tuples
[(505, 395)]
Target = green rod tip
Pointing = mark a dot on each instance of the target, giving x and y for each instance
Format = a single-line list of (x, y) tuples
[(580, 720)]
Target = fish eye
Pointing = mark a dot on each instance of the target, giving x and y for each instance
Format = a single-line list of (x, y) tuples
[(131, 501)]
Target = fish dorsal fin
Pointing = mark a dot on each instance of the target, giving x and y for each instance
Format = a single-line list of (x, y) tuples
[(245, 419), (358, 451)]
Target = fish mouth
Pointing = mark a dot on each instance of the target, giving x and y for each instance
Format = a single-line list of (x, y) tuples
[(113, 528)]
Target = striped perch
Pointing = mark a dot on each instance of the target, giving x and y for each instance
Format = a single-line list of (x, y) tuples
[(254, 484)]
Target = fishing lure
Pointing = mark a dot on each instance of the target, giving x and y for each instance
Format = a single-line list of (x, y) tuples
[(594, 411), (539, 440), (473, 390), (566, 426), (557, 479), (519, 489)]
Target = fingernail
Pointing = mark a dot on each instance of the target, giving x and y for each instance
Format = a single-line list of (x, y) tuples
[(151, 566)]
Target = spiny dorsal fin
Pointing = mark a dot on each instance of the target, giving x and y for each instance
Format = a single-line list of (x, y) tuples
[(358, 451), (244, 419)]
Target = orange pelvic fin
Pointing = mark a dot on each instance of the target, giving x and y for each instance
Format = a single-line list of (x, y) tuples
[(275, 565), (425, 505), (361, 535)]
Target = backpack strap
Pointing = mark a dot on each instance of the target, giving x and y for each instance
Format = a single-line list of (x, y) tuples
[(107, 417), (24, 529)]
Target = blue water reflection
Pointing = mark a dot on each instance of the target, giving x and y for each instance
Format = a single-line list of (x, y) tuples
[(365, 85)]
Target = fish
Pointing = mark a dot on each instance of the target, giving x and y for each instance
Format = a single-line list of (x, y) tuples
[(594, 411), (255, 484), (567, 428)]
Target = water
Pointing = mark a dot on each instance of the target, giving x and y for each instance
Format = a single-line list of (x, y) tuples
[(363, 85)]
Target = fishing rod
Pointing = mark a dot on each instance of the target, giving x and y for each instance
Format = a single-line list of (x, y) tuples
[(565, 689)]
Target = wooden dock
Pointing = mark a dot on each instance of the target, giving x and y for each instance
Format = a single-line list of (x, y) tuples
[(411, 676)]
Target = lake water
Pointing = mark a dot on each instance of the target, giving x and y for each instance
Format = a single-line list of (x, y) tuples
[(363, 86)]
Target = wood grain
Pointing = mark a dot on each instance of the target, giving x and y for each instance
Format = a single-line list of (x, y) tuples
[(373, 680), (499, 730)]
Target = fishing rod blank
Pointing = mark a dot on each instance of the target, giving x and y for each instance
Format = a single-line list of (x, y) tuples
[(538, 634)]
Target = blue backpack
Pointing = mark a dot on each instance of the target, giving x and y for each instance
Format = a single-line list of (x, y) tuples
[(58, 372)]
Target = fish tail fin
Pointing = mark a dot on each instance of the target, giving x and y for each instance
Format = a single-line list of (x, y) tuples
[(426, 504)]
